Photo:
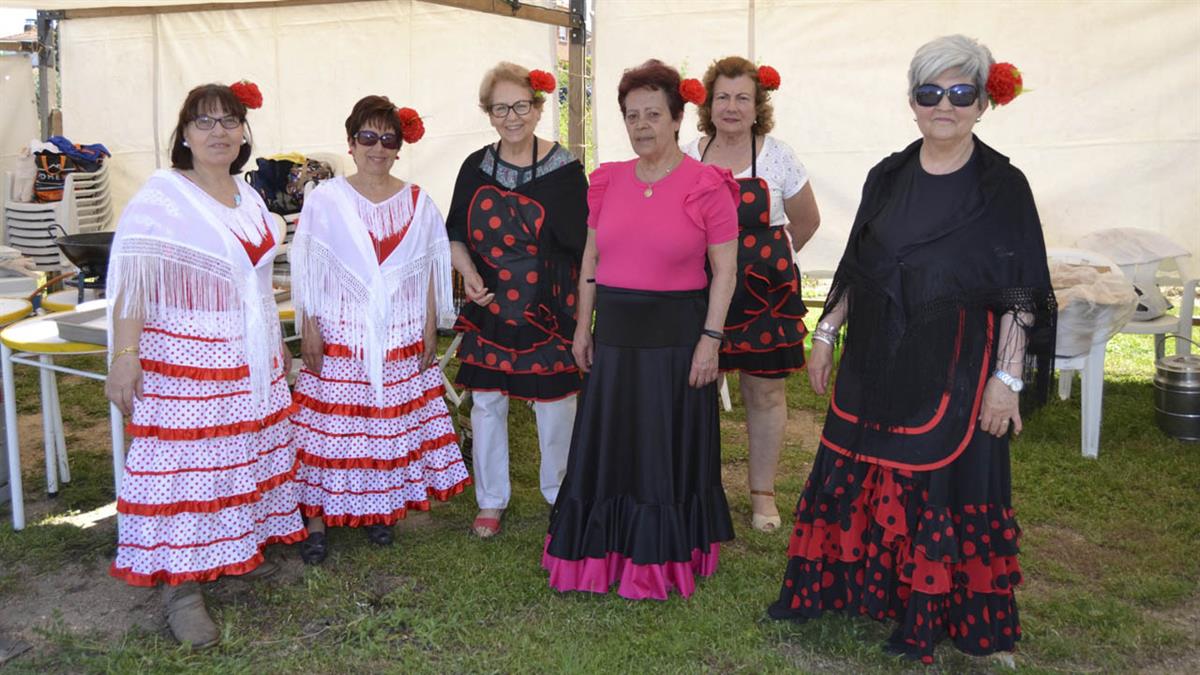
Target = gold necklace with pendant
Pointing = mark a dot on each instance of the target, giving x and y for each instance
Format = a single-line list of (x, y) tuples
[(649, 191)]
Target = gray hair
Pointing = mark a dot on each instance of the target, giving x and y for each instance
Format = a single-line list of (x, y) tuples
[(960, 52)]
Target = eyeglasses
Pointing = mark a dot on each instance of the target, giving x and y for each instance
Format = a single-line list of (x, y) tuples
[(961, 95), (500, 110), (367, 138), (206, 122)]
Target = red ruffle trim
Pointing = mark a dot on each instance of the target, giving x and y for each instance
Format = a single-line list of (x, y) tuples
[(227, 467), (210, 397), (394, 354), (309, 459), (368, 411), (934, 559), (449, 491), (194, 372), (200, 433), (236, 569), (334, 380), (207, 506), (368, 519), (637, 582), (382, 437), (184, 336)]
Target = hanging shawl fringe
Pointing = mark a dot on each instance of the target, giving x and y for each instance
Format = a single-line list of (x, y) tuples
[(905, 318), (331, 281), (152, 272)]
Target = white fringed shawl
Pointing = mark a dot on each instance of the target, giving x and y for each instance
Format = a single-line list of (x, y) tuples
[(173, 253), (337, 277)]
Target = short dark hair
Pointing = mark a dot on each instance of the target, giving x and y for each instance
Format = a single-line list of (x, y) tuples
[(656, 76), (200, 101), (372, 109)]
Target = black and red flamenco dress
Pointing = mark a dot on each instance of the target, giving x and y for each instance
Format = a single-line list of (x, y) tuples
[(912, 524), (764, 327)]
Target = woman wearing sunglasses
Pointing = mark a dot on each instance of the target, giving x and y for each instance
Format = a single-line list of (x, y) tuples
[(517, 229), (370, 276), (198, 361), (777, 215), (945, 296)]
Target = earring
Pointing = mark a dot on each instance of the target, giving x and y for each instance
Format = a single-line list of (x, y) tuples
[(185, 144), (245, 140), (397, 155), (349, 152), (978, 119)]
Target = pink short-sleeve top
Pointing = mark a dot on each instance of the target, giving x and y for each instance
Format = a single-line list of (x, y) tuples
[(660, 242)]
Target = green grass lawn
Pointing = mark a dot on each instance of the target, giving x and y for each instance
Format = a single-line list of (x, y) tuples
[(1109, 551)]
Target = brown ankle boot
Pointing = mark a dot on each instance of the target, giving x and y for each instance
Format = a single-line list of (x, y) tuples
[(188, 617)]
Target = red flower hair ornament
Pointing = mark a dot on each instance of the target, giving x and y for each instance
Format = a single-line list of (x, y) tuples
[(412, 129), (768, 78), (247, 92), (1004, 83), (540, 80), (693, 91)]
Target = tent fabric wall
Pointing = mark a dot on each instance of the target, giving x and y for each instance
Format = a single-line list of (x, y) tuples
[(125, 77), (1108, 135), (18, 117)]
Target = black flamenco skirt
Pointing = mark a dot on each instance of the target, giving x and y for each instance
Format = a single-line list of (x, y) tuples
[(642, 504), (935, 552), (524, 356), (764, 328)]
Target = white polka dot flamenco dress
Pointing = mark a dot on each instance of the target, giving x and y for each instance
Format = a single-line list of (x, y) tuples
[(372, 433)]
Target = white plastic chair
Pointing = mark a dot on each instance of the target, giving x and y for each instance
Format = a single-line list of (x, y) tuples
[(1143, 255), (1090, 365)]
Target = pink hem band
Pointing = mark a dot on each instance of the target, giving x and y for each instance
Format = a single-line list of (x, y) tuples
[(637, 582)]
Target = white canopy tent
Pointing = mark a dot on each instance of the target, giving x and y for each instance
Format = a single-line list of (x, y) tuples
[(1109, 133), (125, 72)]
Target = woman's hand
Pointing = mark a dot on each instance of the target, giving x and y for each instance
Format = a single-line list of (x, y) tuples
[(285, 357), (429, 343), (582, 348), (476, 291), (704, 362), (312, 346), (820, 364), (124, 382), (1000, 405)]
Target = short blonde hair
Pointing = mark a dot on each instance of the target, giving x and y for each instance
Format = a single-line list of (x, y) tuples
[(507, 72)]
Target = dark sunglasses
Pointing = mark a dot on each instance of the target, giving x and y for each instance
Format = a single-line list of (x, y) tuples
[(368, 138), (961, 95)]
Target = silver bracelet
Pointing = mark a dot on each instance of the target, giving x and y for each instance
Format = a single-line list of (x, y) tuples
[(821, 336), (828, 328)]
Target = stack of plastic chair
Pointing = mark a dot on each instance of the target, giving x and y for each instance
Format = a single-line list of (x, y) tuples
[(86, 206)]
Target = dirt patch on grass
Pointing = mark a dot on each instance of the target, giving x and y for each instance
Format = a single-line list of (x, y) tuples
[(79, 599), (1186, 619)]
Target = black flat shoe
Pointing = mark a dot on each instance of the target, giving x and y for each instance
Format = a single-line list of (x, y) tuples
[(314, 550), (380, 535)]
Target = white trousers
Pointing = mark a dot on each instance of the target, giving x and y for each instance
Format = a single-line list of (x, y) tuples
[(489, 433)]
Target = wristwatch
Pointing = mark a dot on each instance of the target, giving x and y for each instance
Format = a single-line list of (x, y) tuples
[(1014, 383)]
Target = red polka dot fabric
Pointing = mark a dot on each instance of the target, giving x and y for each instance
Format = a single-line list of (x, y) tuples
[(367, 462), (764, 326), (871, 540), (520, 343), (208, 477)]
